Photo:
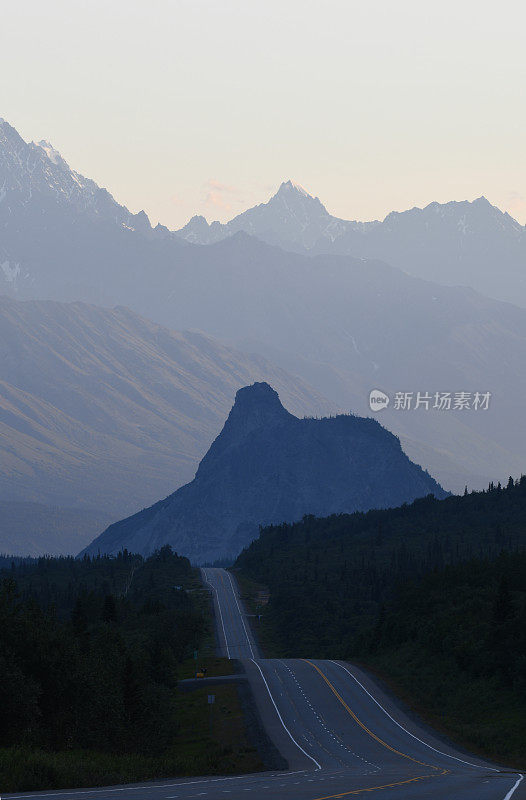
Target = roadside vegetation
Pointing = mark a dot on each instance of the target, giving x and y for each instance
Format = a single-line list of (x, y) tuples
[(90, 654), (431, 595)]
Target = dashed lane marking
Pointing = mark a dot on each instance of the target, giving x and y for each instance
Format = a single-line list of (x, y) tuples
[(364, 727), (318, 765)]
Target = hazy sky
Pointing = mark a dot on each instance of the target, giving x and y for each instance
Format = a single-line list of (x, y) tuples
[(205, 106)]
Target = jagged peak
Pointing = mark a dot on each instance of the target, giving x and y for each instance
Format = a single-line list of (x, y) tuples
[(198, 219), (292, 193), (292, 186)]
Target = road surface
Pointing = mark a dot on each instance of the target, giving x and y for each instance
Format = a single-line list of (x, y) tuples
[(342, 737)]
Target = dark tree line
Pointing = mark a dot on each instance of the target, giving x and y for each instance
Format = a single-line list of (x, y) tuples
[(432, 594), (89, 651), (329, 577)]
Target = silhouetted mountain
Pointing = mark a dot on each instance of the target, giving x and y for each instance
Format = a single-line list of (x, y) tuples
[(101, 409), (269, 466)]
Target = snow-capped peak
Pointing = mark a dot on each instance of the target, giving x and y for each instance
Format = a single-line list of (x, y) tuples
[(291, 185), (51, 153)]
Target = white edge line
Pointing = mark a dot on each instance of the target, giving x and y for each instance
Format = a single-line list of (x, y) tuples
[(318, 766), (64, 792), (240, 614), (220, 612), (469, 763), (512, 790)]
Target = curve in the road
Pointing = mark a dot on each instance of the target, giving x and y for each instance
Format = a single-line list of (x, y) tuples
[(341, 736), (308, 715)]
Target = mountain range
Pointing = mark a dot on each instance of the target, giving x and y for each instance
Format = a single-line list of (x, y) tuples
[(456, 243), (345, 325), (102, 411), (268, 466)]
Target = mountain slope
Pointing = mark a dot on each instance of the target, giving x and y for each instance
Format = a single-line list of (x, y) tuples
[(269, 466), (101, 409), (36, 173), (62, 237), (33, 529)]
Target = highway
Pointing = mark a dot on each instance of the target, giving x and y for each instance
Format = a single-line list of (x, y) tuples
[(340, 734), (346, 736)]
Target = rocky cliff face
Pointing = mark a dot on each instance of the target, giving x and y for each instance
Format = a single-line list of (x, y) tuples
[(269, 466)]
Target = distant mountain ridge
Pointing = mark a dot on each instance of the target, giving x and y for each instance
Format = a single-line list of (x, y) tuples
[(291, 218), (268, 466), (456, 243)]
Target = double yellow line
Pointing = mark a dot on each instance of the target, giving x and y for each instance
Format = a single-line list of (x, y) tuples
[(376, 788), (438, 770)]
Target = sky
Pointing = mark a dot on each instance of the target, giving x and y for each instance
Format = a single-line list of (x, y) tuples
[(181, 107)]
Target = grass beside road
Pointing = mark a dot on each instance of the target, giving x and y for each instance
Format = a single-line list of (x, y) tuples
[(200, 747), (251, 593), (476, 714), (214, 666)]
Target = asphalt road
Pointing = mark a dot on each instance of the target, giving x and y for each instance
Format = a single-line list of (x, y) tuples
[(235, 638), (341, 735)]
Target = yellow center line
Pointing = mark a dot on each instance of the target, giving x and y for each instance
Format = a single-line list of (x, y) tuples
[(385, 786), (364, 727)]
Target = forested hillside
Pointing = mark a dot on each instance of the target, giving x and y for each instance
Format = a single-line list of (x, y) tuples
[(90, 653), (432, 594)]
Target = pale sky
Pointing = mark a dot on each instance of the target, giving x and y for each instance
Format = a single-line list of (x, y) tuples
[(205, 106)]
